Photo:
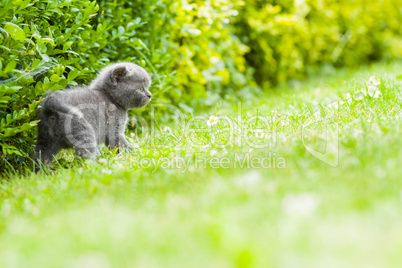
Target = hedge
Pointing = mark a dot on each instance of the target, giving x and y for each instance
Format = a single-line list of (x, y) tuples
[(197, 51), (288, 39)]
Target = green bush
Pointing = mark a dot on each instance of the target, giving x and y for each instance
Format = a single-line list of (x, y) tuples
[(42, 49), (288, 39)]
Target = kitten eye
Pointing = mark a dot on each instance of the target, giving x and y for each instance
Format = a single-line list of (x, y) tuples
[(142, 89)]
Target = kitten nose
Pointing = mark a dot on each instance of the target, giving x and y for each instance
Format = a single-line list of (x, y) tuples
[(149, 95)]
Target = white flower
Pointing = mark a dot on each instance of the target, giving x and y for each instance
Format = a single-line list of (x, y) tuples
[(212, 120), (259, 133), (284, 122), (373, 91), (167, 129), (347, 99), (373, 87), (359, 96), (102, 161), (377, 94), (374, 81)]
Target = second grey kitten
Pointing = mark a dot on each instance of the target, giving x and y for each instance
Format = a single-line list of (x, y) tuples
[(85, 116)]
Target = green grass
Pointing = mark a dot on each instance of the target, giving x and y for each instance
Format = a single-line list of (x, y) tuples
[(143, 209)]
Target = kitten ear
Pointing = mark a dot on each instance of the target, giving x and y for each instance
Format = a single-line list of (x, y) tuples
[(117, 74)]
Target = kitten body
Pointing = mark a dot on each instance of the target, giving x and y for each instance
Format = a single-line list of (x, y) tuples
[(85, 116)]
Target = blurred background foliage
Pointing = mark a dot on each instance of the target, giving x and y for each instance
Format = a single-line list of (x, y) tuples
[(198, 52), (288, 39)]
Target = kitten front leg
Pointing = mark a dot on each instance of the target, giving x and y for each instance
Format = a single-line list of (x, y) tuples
[(45, 152), (87, 153), (123, 143), (120, 141), (115, 132)]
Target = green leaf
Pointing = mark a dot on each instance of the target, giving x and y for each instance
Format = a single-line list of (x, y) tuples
[(67, 45), (8, 118), (78, 19), (15, 31), (41, 47), (143, 44), (45, 57), (73, 74), (137, 20), (48, 40), (35, 64), (121, 29), (10, 67), (8, 149), (53, 4), (27, 126), (399, 77)]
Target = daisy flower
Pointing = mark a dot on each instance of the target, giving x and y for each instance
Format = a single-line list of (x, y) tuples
[(373, 87), (374, 81), (212, 120), (167, 129), (373, 91), (359, 96)]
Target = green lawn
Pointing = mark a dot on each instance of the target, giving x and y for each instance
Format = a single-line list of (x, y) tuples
[(210, 197)]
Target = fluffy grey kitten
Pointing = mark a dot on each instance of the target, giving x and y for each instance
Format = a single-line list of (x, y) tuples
[(85, 116)]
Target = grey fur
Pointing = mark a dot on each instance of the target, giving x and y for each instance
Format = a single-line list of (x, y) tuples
[(85, 116)]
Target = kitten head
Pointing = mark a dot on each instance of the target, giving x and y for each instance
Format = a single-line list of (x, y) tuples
[(127, 84)]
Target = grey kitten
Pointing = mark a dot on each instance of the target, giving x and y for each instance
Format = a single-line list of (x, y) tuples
[(85, 116)]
